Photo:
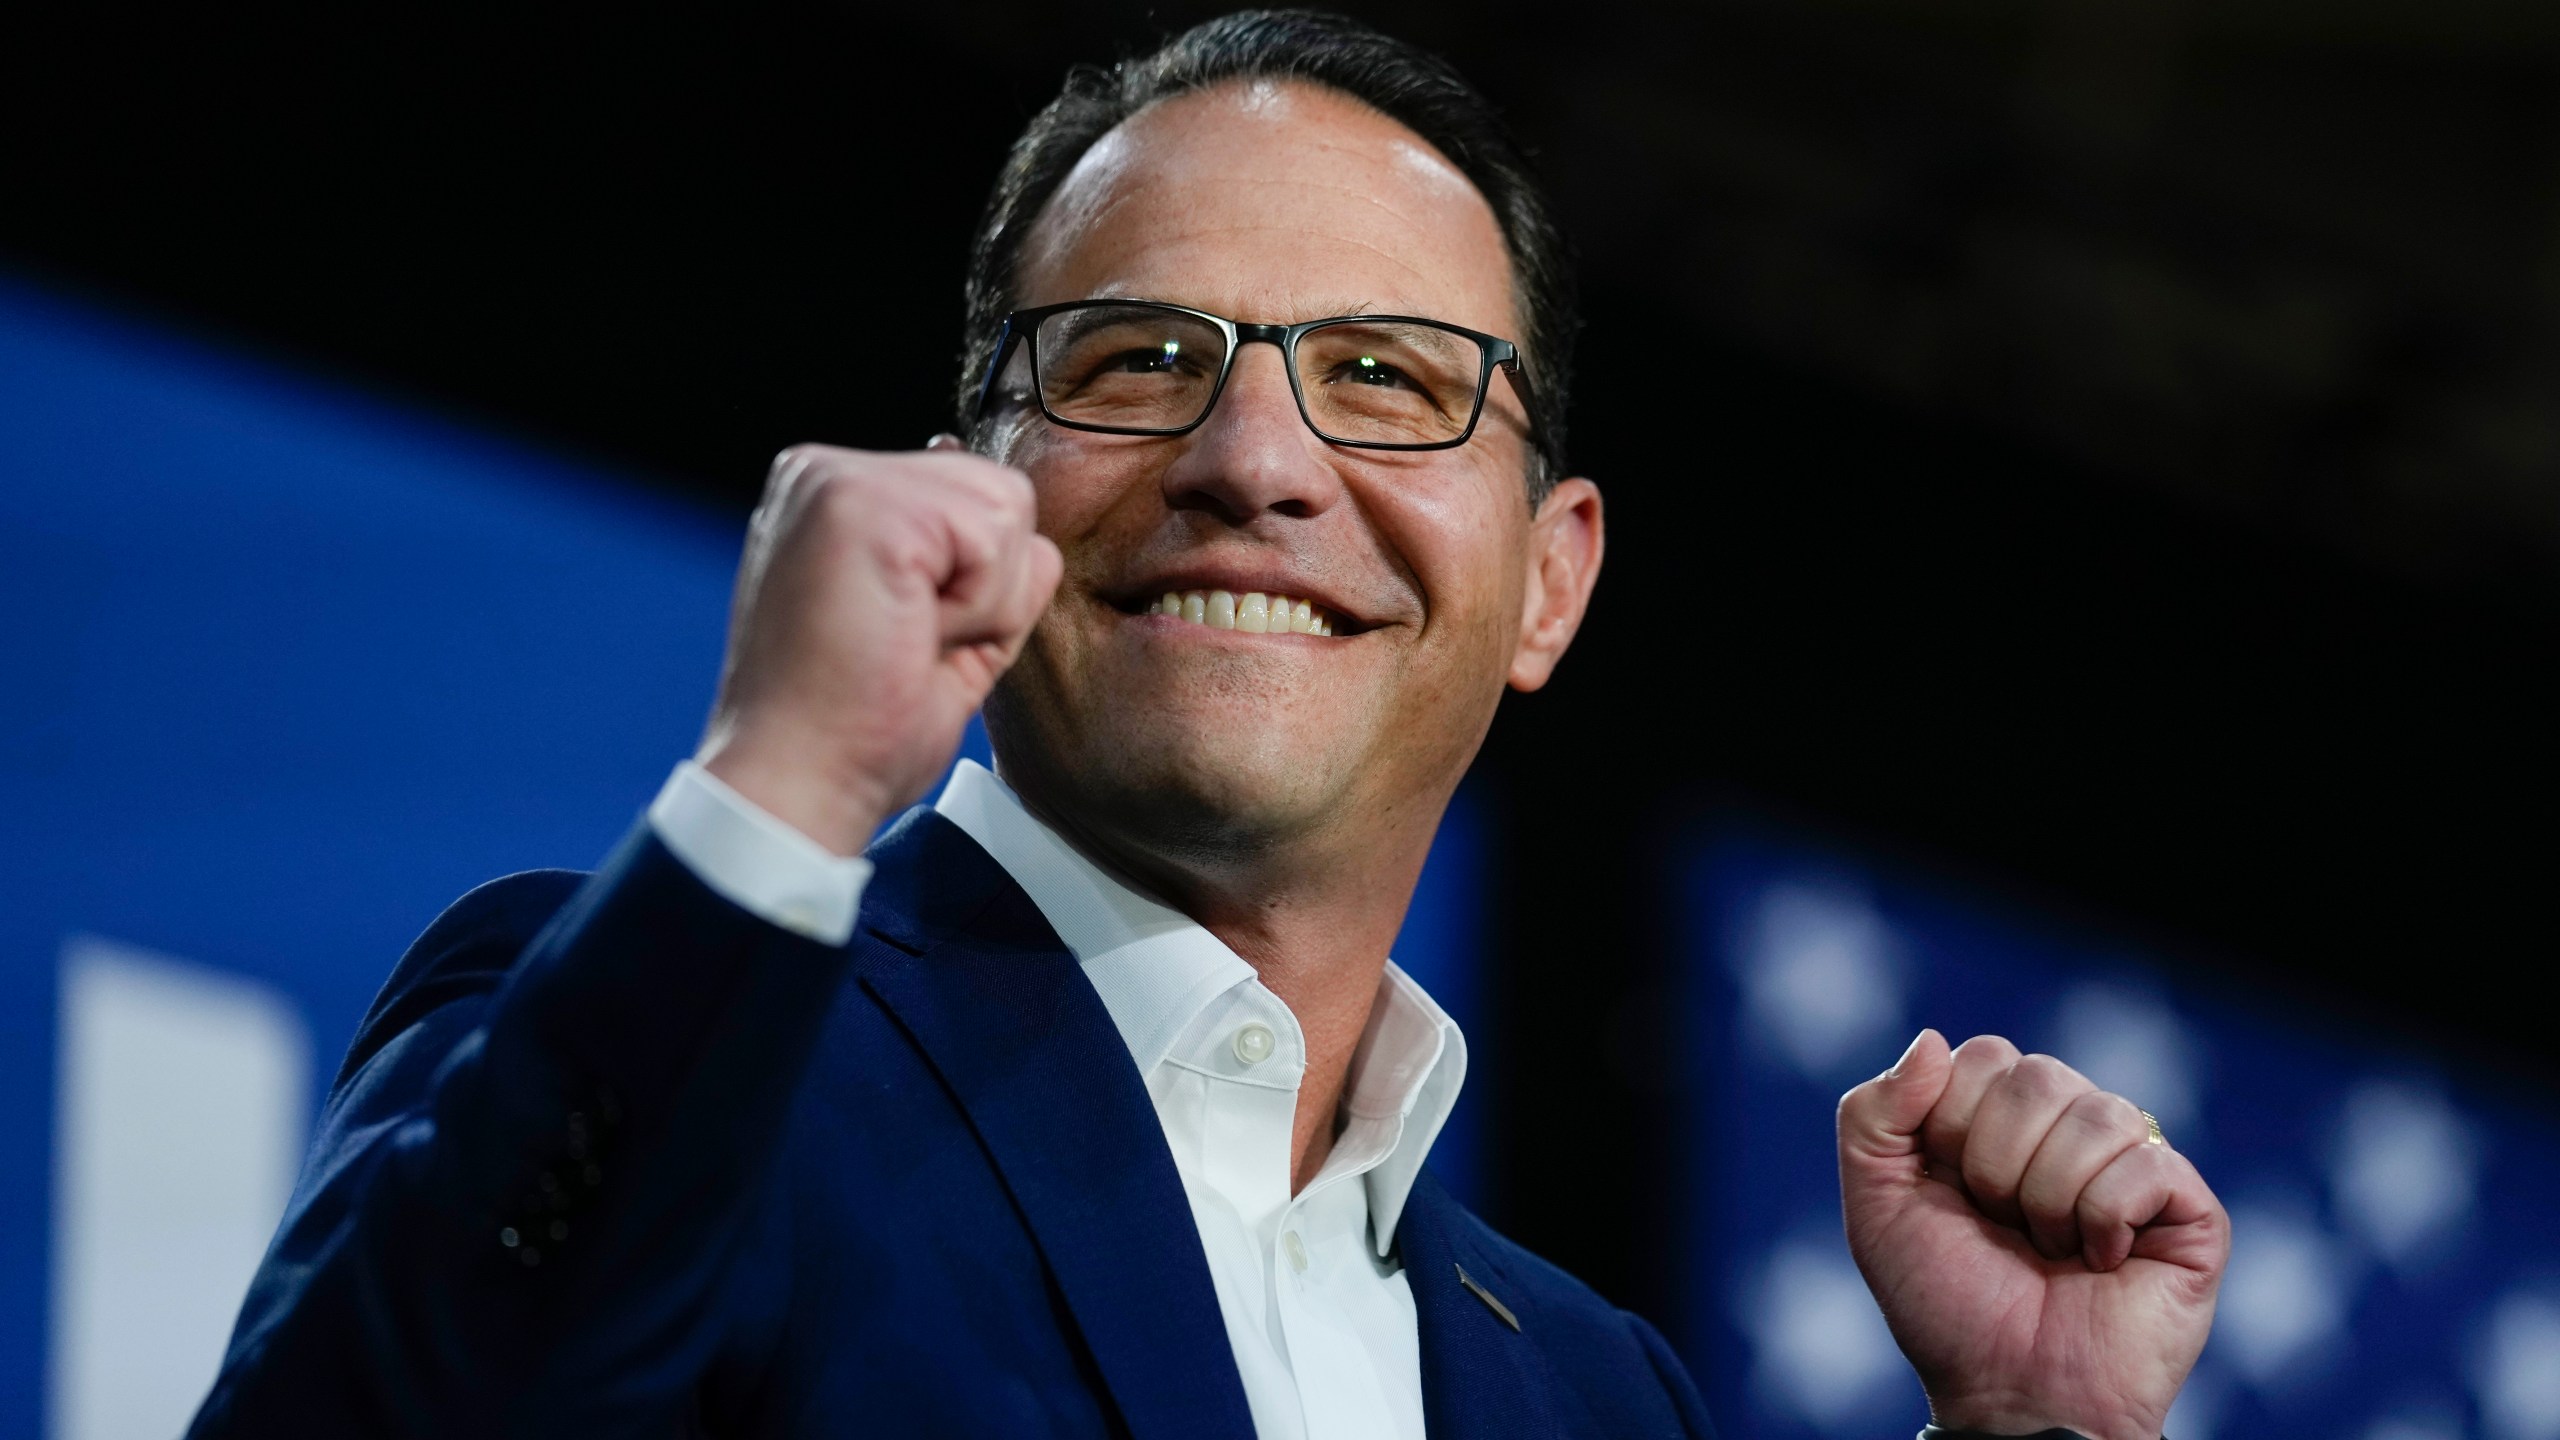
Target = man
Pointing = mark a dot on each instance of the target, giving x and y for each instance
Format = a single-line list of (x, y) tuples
[(1088, 1102)]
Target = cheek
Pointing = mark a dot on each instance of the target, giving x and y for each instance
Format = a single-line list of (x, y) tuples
[(1083, 490), (1464, 546)]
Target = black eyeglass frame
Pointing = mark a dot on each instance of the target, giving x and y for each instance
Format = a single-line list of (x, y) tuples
[(1022, 327)]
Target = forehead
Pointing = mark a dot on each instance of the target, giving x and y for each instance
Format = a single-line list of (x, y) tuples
[(1272, 201)]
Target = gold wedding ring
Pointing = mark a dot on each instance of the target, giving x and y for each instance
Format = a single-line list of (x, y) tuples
[(2155, 1137)]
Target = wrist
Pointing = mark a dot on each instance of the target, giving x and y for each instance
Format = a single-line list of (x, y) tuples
[(838, 810), (2022, 1419), (1946, 1433)]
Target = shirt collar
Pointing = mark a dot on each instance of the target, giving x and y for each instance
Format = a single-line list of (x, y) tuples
[(1157, 969), (1411, 1062)]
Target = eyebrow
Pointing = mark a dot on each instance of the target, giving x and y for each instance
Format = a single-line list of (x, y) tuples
[(1433, 341), (1345, 310), (1081, 324)]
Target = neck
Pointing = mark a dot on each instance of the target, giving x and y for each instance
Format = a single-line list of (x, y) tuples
[(1314, 919)]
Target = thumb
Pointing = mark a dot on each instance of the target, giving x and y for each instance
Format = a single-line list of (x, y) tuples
[(1880, 1120)]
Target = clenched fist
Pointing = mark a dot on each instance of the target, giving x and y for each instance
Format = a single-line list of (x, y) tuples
[(2041, 1257), (879, 598)]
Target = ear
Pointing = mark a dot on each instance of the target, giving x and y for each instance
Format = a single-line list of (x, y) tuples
[(1565, 541)]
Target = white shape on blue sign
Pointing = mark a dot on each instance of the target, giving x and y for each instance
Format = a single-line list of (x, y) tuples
[(1820, 1348), (183, 1095), (1822, 980), (2283, 1312), (2515, 1368), (2433, 1420), (2404, 1169)]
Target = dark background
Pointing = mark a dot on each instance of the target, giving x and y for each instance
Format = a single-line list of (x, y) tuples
[(2107, 452)]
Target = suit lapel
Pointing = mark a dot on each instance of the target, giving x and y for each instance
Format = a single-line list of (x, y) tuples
[(1006, 1017), (1480, 1375)]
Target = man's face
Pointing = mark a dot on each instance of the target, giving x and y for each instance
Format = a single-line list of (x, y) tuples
[(1268, 203)]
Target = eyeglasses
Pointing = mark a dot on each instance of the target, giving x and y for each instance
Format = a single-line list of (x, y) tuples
[(1140, 367)]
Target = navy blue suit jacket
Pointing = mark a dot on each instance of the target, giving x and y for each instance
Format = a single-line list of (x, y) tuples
[(612, 1156)]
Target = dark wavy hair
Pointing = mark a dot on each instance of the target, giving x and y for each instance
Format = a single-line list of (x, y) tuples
[(1412, 86)]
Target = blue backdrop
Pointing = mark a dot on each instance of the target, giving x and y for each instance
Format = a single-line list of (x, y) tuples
[(287, 669)]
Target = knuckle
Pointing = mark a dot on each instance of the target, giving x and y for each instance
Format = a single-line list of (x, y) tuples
[(781, 477), (2042, 1075), (800, 462), (2110, 1114), (1992, 1050)]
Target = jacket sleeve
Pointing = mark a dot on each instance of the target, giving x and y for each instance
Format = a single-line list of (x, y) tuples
[(1676, 1382), (546, 1143)]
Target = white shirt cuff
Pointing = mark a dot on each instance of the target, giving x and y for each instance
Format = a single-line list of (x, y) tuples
[(756, 861)]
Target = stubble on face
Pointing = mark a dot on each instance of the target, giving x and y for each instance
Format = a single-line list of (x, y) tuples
[(1266, 202)]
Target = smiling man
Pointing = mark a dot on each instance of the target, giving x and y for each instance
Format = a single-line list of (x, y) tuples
[(1087, 1102)]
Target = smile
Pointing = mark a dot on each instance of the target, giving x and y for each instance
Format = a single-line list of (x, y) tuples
[(1255, 613)]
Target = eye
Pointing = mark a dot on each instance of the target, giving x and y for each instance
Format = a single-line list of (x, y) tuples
[(1370, 370), (1158, 360)]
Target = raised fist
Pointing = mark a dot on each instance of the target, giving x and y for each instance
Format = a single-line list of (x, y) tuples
[(2042, 1255), (879, 598)]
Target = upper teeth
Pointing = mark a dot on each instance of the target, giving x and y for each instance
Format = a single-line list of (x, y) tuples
[(1255, 613)]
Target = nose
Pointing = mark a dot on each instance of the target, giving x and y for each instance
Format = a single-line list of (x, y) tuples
[(1254, 455)]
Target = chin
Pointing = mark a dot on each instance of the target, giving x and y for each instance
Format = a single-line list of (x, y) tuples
[(1165, 780)]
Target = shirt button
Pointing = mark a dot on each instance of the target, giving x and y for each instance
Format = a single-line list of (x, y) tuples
[(1254, 1044), (1297, 1250)]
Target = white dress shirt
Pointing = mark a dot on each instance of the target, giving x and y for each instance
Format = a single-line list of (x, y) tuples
[(1319, 1316)]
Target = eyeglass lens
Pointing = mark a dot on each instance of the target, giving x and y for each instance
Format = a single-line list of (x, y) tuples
[(1134, 367)]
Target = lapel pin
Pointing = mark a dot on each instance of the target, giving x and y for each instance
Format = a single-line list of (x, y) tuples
[(1486, 1296)]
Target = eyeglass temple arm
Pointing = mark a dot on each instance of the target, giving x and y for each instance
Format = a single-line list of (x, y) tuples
[(1006, 339), (1518, 375)]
